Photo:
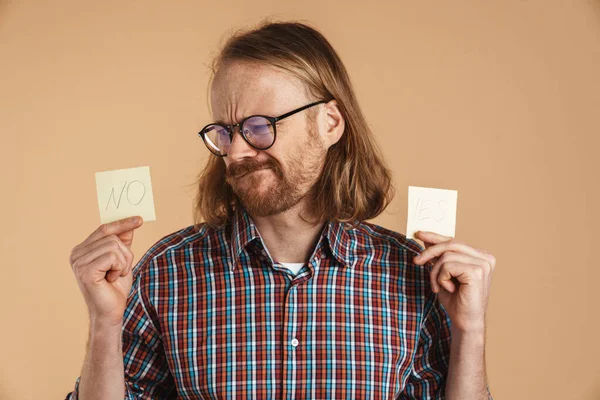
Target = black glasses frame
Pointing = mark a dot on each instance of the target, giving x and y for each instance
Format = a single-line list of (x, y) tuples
[(231, 128)]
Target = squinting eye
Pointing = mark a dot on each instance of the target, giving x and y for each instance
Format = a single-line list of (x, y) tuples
[(262, 129), (223, 135)]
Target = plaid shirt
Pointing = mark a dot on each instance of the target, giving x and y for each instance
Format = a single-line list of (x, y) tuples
[(212, 315)]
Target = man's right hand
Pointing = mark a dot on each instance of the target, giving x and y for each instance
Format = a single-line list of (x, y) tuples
[(102, 265)]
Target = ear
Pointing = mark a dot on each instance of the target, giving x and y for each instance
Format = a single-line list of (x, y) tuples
[(334, 124)]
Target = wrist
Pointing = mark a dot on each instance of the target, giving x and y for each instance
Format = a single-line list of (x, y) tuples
[(102, 329), (471, 330), (474, 337)]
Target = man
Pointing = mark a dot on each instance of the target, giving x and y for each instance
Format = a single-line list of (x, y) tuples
[(285, 291)]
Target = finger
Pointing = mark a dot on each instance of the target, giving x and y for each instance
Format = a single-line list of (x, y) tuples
[(116, 270), (90, 252), (460, 272), (448, 256), (129, 256), (127, 237), (125, 250), (114, 228), (489, 257), (453, 245), (109, 246), (449, 285), (106, 266), (432, 237), (82, 251), (445, 276), (113, 275)]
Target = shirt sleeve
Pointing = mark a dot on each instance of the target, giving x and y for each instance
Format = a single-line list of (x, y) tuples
[(147, 374), (427, 379)]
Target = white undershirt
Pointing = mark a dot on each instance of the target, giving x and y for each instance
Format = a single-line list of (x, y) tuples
[(294, 267)]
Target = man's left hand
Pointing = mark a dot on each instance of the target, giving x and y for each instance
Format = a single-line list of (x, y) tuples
[(461, 276)]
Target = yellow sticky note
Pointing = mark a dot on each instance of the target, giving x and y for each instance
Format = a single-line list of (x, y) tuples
[(432, 210), (124, 193)]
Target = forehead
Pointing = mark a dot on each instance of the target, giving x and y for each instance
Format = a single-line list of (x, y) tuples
[(240, 89)]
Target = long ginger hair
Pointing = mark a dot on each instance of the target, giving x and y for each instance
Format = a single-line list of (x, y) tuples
[(355, 184)]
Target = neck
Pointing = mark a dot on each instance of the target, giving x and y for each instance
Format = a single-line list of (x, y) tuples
[(287, 237)]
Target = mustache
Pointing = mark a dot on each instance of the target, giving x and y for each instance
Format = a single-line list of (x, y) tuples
[(238, 169)]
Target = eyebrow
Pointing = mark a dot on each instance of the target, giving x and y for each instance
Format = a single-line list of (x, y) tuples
[(221, 122)]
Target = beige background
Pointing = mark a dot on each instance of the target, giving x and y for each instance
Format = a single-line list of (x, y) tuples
[(496, 99)]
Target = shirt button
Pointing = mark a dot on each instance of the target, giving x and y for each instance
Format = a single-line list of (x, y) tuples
[(294, 342)]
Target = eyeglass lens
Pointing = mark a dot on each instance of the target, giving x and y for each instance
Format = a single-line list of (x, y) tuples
[(257, 130)]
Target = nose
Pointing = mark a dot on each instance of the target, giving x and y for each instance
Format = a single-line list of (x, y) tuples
[(239, 148)]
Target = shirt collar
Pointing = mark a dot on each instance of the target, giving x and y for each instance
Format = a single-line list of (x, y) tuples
[(243, 231), (340, 243)]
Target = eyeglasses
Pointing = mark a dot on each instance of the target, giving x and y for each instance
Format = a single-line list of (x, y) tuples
[(257, 130)]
